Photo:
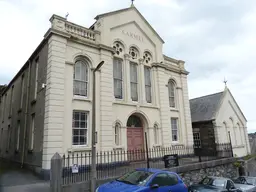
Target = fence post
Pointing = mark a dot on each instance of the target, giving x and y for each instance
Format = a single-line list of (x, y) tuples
[(56, 173)]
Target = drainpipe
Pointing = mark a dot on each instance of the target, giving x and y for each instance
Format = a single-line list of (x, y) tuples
[(26, 115)]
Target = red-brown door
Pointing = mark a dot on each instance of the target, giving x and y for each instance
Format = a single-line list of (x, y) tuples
[(135, 143)]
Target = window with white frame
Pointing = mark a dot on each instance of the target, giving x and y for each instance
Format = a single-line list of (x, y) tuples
[(18, 136), (147, 75), (134, 81), (118, 78), (197, 140), (117, 134), (80, 128), (81, 78), (174, 126), (32, 132), (156, 134), (171, 90), (36, 77)]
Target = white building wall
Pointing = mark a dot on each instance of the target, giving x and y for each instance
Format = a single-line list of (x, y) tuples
[(230, 114), (60, 101)]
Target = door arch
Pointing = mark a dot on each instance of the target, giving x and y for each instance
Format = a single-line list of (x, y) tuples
[(135, 133)]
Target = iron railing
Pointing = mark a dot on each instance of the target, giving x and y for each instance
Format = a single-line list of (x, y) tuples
[(111, 164)]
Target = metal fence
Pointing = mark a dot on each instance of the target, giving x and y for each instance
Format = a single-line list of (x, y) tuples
[(111, 164)]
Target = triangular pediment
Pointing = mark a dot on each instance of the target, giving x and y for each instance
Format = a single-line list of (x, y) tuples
[(133, 14), (132, 32)]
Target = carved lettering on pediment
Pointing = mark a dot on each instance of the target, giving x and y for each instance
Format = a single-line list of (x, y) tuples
[(133, 35)]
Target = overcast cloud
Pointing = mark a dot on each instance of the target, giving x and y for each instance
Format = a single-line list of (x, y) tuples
[(215, 38)]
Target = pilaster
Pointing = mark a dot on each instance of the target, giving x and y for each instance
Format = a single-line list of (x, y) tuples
[(164, 108), (106, 101), (54, 112), (127, 86), (141, 78)]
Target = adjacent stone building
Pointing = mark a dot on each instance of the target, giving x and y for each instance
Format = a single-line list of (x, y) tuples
[(47, 107), (214, 118)]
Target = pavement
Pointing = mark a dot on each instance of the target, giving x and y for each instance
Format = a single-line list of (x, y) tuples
[(14, 179)]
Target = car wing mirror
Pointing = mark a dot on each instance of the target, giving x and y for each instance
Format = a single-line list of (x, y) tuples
[(154, 186)]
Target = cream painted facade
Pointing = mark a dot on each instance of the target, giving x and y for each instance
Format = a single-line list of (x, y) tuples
[(229, 118), (67, 43)]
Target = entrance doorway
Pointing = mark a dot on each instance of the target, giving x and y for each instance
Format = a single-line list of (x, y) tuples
[(135, 138)]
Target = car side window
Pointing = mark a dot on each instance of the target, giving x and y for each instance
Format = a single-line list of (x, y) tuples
[(161, 180), (172, 179), (230, 185)]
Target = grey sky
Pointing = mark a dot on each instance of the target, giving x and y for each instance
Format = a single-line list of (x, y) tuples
[(215, 38)]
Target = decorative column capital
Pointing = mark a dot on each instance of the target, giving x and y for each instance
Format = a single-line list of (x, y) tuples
[(141, 61), (127, 56)]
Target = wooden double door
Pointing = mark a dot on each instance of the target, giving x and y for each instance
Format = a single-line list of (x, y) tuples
[(135, 144)]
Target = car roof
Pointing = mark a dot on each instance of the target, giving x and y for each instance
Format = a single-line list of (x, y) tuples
[(214, 177), (152, 170)]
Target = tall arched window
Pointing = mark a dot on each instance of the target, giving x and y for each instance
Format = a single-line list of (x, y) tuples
[(81, 78), (233, 130), (118, 70), (240, 135), (226, 140), (117, 133), (171, 90), (134, 53), (156, 135)]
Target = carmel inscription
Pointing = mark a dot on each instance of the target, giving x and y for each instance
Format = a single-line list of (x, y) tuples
[(133, 35)]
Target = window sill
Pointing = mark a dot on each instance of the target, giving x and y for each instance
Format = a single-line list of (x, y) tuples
[(119, 147), (157, 145), (132, 103), (79, 149), (176, 143), (81, 98), (33, 101), (174, 109)]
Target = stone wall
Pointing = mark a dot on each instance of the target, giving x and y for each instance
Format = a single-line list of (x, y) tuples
[(190, 174), (191, 177)]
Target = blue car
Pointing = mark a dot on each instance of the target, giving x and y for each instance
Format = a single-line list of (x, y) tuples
[(145, 180)]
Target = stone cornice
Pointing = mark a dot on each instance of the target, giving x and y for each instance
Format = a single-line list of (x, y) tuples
[(170, 68)]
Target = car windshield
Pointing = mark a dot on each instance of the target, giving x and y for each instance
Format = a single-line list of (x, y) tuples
[(135, 177), (213, 181), (245, 180)]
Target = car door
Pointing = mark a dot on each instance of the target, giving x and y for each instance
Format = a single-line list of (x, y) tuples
[(161, 180), (231, 186)]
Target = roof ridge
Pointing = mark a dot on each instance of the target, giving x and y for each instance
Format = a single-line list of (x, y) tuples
[(206, 95)]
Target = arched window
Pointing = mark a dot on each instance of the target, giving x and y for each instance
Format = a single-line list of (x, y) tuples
[(117, 133), (156, 135), (232, 132), (81, 78), (147, 57), (118, 70), (227, 139), (134, 53), (240, 134), (171, 90), (134, 121)]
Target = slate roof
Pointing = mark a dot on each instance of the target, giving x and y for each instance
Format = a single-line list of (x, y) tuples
[(204, 108)]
